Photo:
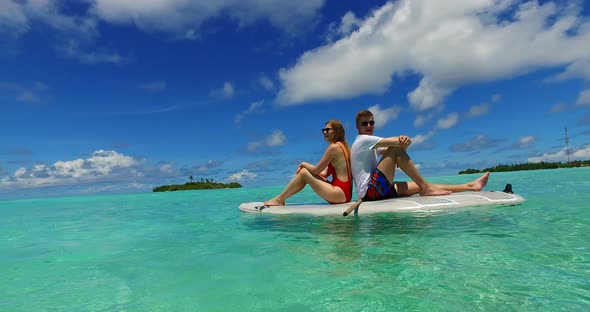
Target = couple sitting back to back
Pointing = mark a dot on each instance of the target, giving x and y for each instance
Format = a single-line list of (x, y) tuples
[(372, 166)]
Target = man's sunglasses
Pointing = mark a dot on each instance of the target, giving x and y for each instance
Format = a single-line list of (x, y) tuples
[(365, 123)]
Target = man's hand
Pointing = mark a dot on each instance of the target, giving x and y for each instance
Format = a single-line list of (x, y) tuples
[(404, 141)]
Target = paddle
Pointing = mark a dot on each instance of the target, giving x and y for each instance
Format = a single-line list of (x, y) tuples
[(353, 207)]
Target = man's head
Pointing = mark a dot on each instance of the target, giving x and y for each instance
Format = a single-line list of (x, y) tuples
[(365, 122)]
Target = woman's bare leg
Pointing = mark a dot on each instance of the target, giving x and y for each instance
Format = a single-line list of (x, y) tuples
[(319, 185)]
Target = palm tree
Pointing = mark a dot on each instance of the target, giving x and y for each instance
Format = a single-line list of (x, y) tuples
[(191, 178)]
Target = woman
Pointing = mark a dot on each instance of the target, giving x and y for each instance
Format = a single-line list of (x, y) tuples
[(335, 163)]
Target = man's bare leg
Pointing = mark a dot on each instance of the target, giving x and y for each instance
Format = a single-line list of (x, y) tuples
[(411, 188), (397, 157)]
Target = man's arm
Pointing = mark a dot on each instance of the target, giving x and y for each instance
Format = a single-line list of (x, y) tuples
[(399, 141)]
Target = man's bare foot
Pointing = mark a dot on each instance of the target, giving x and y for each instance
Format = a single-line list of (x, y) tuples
[(433, 191), (479, 183), (274, 202)]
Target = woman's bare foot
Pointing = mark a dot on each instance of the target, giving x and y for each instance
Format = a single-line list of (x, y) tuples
[(479, 183), (274, 202), (431, 190)]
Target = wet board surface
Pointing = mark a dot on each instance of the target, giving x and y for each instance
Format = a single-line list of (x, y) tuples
[(403, 204)]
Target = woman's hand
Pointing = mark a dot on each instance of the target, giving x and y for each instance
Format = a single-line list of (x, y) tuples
[(301, 166)]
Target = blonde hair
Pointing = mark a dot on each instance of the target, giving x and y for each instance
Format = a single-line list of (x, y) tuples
[(339, 133)]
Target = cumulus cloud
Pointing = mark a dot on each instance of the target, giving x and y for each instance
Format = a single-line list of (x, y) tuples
[(266, 83), (75, 49), (525, 141), (184, 19), (207, 166), (225, 92), (421, 138), (383, 116), (243, 175), (448, 122), (584, 98), (277, 138), (579, 154), (578, 69), (253, 107), (449, 44), (478, 110), (176, 19), (13, 20), (100, 166), (422, 119), (348, 23)]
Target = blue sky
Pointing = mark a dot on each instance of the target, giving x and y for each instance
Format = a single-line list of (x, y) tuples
[(108, 96)]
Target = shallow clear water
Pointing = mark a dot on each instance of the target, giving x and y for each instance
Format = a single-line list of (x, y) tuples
[(195, 251)]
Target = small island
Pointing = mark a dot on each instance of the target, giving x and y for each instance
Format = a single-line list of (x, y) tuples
[(530, 166), (204, 184)]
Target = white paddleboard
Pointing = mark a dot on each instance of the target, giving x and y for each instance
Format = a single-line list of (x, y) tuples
[(402, 204)]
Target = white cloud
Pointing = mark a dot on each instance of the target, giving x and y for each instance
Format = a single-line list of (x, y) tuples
[(277, 138), (74, 49), (242, 176), (184, 18), (448, 122), (13, 21), (348, 23), (383, 116), (267, 83), (578, 69), (526, 141), (449, 43), (476, 143), (580, 154), (584, 98), (422, 119), (254, 106), (207, 166), (99, 166), (226, 91), (478, 110), (421, 138)]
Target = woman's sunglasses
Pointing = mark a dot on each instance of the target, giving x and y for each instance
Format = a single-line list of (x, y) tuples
[(326, 130)]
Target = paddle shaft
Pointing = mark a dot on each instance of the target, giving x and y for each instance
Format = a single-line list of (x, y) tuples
[(353, 207)]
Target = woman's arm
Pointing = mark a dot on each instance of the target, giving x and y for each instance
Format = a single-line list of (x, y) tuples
[(321, 166)]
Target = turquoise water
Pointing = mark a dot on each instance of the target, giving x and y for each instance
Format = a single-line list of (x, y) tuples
[(195, 251)]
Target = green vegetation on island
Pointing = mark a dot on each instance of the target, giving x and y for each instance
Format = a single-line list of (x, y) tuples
[(204, 184), (530, 166)]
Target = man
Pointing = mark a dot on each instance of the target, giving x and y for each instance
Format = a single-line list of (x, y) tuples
[(374, 179)]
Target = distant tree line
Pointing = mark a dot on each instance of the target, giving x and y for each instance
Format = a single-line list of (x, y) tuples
[(530, 166), (204, 184)]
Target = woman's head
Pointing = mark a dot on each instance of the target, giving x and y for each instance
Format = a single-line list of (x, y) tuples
[(334, 131)]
